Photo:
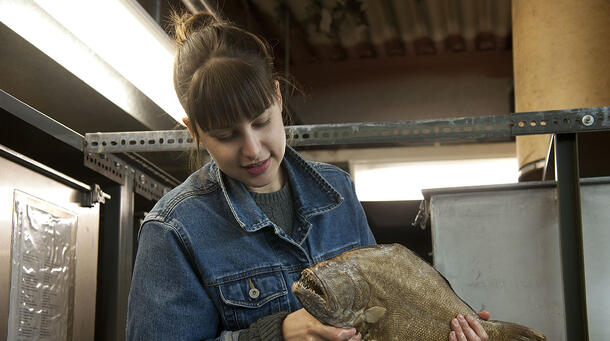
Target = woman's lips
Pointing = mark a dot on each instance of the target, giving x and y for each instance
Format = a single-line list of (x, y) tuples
[(258, 168)]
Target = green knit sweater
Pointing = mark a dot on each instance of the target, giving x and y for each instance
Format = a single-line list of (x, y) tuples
[(278, 206)]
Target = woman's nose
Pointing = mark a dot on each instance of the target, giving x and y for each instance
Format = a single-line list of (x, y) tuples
[(251, 146)]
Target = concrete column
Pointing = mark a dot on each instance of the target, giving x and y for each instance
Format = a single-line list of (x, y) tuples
[(561, 56)]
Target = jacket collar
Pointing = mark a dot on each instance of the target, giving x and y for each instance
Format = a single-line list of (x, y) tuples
[(311, 193)]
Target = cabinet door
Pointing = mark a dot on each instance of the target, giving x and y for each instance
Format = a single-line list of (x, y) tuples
[(47, 199)]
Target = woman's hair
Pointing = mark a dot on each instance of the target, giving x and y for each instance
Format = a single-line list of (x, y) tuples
[(222, 73)]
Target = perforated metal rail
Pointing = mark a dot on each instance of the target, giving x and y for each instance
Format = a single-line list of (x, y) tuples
[(372, 133)]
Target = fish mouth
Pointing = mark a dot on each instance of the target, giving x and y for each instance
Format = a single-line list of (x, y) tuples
[(312, 294)]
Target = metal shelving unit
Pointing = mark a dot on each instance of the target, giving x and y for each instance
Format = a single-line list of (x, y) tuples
[(114, 156), (151, 181), (563, 124), (130, 174)]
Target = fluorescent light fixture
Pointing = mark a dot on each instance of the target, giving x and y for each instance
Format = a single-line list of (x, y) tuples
[(405, 180), (87, 36)]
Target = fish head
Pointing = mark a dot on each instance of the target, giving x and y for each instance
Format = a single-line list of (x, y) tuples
[(334, 292)]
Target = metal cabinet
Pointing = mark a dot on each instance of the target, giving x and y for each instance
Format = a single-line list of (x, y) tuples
[(16, 177), (499, 247)]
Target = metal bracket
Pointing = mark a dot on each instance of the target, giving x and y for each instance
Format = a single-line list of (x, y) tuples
[(94, 196), (120, 171), (108, 165), (423, 214), (560, 121), (148, 187)]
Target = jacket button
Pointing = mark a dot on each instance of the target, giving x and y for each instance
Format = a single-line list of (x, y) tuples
[(254, 293)]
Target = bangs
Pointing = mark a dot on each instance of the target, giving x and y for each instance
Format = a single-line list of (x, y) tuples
[(225, 91)]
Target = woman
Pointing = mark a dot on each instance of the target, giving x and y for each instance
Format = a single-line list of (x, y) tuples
[(218, 254)]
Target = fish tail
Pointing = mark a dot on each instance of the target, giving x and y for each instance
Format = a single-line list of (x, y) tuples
[(509, 331)]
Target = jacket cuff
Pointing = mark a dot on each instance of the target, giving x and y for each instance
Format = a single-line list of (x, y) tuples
[(268, 328)]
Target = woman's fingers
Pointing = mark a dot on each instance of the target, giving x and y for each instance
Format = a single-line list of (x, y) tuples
[(301, 325), (347, 334), (338, 334), (467, 329), (484, 315), (470, 334), (457, 330), (356, 337), (477, 327)]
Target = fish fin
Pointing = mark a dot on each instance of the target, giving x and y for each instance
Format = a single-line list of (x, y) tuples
[(373, 314), (518, 332)]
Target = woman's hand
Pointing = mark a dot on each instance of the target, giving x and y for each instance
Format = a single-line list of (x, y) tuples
[(300, 325), (468, 328)]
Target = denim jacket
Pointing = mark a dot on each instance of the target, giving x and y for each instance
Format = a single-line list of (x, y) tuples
[(209, 261)]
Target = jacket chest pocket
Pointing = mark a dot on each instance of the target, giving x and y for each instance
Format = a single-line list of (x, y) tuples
[(246, 300)]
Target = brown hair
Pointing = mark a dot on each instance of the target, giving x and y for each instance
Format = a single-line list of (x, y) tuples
[(222, 73)]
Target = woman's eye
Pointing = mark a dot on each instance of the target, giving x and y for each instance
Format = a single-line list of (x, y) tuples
[(263, 123), (224, 137)]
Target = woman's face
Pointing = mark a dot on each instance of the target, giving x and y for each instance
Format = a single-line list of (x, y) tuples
[(251, 151)]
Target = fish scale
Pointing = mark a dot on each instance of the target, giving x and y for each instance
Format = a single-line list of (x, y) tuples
[(387, 292)]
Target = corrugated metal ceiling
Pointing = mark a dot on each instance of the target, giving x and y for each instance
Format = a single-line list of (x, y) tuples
[(385, 28), (313, 31), (335, 30)]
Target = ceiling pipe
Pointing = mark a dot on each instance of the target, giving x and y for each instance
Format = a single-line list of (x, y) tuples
[(194, 6), (214, 10)]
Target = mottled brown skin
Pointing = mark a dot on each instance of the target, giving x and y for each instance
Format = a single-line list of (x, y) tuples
[(418, 302)]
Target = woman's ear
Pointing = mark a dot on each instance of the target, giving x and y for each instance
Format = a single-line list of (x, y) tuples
[(278, 91), (191, 129), (187, 123)]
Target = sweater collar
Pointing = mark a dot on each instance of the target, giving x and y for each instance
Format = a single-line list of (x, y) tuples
[(312, 194)]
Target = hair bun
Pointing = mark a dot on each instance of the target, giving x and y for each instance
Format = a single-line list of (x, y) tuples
[(187, 23)]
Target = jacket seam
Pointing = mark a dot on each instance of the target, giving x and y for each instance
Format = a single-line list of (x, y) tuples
[(312, 171), (167, 211), (336, 252), (237, 303), (309, 168), (181, 238), (251, 273), (228, 200)]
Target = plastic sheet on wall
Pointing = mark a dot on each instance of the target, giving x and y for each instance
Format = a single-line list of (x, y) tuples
[(42, 270)]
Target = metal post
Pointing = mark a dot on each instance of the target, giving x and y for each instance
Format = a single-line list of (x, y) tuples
[(116, 261), (570, 233), (287, 42)]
